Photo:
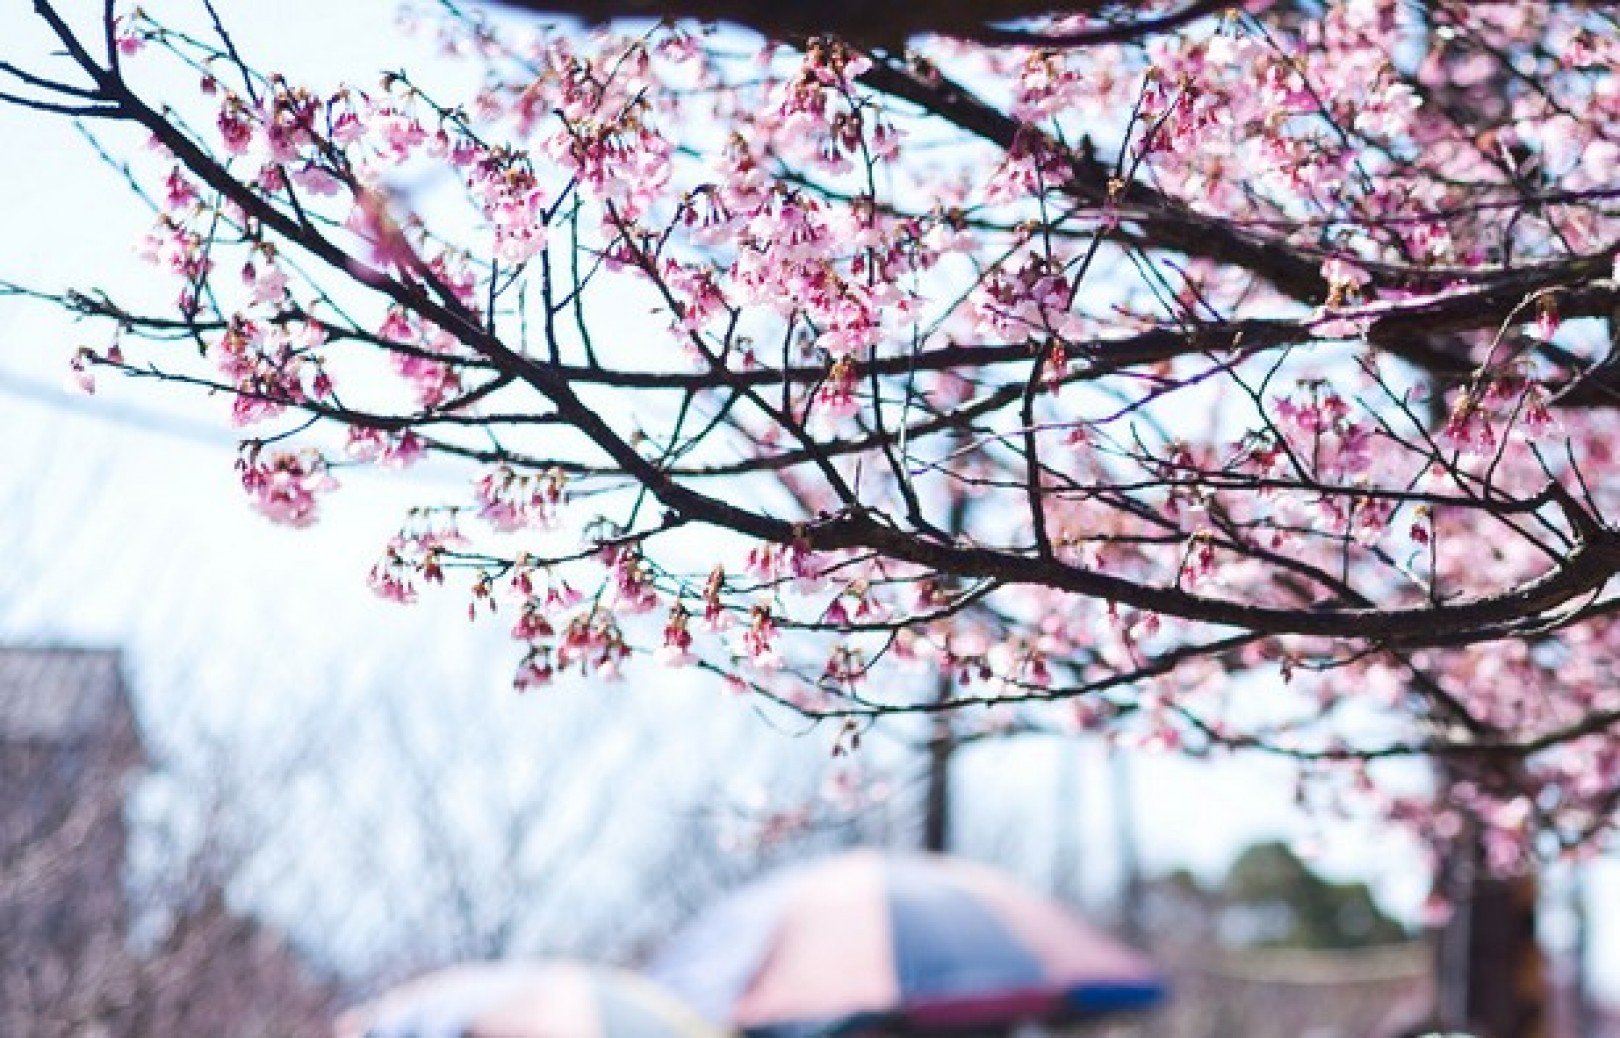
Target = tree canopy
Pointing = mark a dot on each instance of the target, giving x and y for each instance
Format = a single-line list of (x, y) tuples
[(1236, 381)]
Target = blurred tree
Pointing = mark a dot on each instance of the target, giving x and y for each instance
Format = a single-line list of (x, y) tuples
[(1281, 902)]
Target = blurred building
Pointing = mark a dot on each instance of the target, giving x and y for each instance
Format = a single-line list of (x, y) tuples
[(70, 752)]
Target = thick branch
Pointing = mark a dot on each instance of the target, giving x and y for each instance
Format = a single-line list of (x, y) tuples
[(889, 23)]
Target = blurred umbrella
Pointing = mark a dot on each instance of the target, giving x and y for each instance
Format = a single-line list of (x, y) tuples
[(916, 941), (525, 1000)]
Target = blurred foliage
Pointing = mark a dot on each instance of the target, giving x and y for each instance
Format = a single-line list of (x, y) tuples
[(1270, 898)]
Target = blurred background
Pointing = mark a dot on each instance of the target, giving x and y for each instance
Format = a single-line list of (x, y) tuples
[(239, 793)]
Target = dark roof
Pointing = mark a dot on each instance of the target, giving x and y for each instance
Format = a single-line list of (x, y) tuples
[(59, 695)]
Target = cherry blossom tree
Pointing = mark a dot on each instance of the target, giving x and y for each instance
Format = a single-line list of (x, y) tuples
[(1271, 348)]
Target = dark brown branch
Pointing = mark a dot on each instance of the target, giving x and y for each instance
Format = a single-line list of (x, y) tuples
[(890, 23)]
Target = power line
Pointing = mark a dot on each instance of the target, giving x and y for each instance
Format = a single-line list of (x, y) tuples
[(202, 434), (42, 393)]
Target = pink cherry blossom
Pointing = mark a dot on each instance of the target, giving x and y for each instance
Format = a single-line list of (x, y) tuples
[(283, 485)]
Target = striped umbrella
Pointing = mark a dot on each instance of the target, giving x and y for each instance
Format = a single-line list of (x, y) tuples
[(916, 941), (525, 1000)]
